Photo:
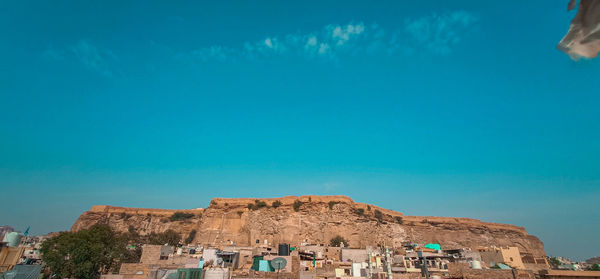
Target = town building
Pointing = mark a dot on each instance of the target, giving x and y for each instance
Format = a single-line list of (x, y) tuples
[(506, 255)]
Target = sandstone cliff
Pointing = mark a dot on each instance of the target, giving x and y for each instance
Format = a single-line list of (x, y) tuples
[(312, 219)]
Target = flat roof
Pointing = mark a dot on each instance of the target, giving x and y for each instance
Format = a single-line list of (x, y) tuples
[(571, 273)]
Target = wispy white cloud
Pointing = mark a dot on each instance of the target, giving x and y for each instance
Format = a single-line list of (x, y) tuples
[(438, 34), (94, 58), (434, 34), (218, 53), (330, 42)]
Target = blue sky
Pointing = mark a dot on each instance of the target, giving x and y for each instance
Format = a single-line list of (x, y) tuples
[(450, 108)]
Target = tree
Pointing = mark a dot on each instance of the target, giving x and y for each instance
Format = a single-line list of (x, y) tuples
[(180, 216), (332, 204), (190, 237), (297, 204), (337, 241), (378, 215), (399, 220), (258, 204), (87, 253), (167, 237), (276, 204), (359, 211)]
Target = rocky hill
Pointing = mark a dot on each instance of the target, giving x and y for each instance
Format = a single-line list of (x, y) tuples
[(311, 219), (594, 260)]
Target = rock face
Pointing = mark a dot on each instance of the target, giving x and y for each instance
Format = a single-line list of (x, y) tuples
[(311, 219), (583, 38)]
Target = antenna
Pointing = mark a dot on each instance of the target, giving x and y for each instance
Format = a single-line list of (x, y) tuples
[(278, 264)]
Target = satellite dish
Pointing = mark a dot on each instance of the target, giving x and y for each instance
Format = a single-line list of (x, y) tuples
[(278, 263)]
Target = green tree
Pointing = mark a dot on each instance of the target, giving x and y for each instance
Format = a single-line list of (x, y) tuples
[(260, 204), (337, 241), (276, 204), (332, 204), (87, 253), (378, 216), (297, 204), (359, 211), (167, 237), (180, 216), (190, 237)]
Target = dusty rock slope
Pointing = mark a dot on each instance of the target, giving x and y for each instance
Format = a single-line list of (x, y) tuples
[(312, 219)]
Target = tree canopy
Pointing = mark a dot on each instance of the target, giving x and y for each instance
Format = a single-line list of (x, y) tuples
[(180, 216), (168, 237), (87, 253), (337, 241)]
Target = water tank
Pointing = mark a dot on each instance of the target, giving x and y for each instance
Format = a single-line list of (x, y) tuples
[(476, 265), (216, 273), (13, 239), (284, 250)]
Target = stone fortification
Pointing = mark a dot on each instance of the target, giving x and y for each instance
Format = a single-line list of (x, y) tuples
[(311, 219)]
